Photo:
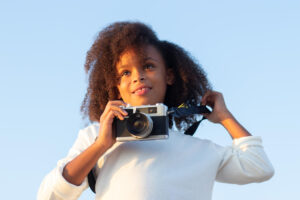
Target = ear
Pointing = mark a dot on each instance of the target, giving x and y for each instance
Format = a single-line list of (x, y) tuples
[(170, 76)]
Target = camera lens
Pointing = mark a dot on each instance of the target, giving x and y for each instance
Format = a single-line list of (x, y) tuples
[(139, 125)]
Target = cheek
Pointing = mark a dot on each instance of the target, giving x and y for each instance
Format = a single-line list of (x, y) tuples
[(122, 88), (162, 85)]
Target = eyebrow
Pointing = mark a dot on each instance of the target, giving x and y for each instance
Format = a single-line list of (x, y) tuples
[(144, 60), (150, 58), (122, 66)]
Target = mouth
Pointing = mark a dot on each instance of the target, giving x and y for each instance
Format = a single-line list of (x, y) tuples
[(142, 90)]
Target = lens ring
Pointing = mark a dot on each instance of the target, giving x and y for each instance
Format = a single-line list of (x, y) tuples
[(139, 125)]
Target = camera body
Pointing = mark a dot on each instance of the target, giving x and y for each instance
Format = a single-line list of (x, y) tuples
[(147, 122)]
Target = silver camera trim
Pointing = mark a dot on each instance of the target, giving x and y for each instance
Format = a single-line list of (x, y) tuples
[(161, 109)]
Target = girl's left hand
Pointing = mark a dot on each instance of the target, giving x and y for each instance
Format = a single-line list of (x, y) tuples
[(216, 101)]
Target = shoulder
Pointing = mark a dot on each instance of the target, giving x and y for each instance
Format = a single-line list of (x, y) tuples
[(89, 133), (85, 138), (195, 142), (179, 135), (90, 129)]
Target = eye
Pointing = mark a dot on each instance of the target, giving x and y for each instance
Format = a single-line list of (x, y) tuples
[(149, 66), (125, 73)]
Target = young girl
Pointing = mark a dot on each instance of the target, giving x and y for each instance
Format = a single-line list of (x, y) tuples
[(128, 64)]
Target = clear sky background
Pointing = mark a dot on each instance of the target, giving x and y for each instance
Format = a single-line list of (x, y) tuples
[(249, 49)]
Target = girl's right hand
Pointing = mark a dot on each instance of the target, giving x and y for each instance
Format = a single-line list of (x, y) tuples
[(112, 110)]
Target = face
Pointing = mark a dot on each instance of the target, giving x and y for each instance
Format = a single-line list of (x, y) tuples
[(143, 82)]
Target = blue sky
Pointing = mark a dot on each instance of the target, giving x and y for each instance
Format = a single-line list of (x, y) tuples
[(249, 49)]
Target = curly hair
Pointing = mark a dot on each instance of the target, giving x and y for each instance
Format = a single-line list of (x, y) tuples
[(190, 81)]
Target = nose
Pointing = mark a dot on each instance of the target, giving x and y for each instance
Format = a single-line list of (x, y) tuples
[(138, 76)]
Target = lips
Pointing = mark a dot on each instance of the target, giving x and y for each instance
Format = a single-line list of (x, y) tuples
[(142, 90)]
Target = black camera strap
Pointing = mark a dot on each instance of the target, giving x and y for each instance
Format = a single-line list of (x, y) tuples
[(185, 111)]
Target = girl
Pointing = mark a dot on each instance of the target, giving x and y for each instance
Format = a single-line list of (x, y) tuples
[(128, 64)]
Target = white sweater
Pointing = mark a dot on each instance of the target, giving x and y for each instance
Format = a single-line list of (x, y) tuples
[(181, 167)]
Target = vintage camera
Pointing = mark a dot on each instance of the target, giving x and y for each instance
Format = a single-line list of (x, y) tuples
[(147, 122)]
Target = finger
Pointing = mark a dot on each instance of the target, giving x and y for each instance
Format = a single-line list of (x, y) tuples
[(110, 104), (109, 118), (113, 112), (117, 114), (211, 98), (117, 103), (205, 96), (119, 109)]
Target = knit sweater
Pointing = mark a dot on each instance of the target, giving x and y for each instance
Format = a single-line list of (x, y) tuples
[(180, 167)]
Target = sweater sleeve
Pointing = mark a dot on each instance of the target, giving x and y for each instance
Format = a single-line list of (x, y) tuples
[(245, 162), (55, 186)]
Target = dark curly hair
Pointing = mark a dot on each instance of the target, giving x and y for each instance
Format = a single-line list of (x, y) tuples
[(190, 82)]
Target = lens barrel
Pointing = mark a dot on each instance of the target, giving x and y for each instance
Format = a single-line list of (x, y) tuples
[(139, 125)]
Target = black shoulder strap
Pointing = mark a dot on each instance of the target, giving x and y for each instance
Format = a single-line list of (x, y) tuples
[(192, 129), (92, 180)]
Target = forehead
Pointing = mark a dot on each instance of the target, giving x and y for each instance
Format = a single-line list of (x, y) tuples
[(139, 55)]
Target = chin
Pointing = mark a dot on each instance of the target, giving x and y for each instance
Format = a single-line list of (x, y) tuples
[(144, 102)]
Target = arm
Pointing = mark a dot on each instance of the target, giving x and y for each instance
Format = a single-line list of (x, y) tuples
[(54, 185), (76, 170), (68, 179), (245, 161)]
